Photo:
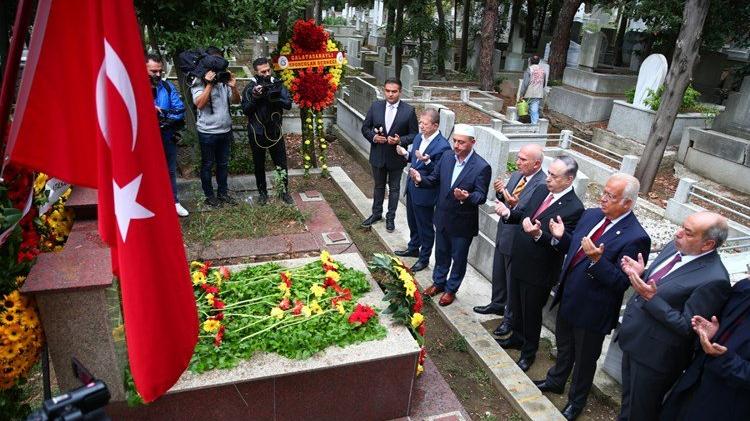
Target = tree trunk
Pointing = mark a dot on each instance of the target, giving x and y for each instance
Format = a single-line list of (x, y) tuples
[(530, 15), (399, 29), (681, 70), (186, 94), (558, 51), (283, 28), (542, 19), (318, 11), (390, 22), (442, 49), (553, 17), (620, 39), (465, 35), (455, 20), (489, 19), (421, 57)]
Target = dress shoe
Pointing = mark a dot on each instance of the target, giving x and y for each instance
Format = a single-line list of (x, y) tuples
[(262, 198), (213, 202), (229, 200), (504, 329), (489, 309), (390, 225), (432, 291), (545, 386), (571, 412), (513, 342), (407, 253), (287, 198), (525, 363), (447, 299), (420, 265), (367, 223)]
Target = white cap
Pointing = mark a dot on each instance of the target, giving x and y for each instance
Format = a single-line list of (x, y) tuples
[(464, 130)]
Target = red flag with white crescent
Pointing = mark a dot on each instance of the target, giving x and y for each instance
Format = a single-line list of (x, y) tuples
[(85, 114)]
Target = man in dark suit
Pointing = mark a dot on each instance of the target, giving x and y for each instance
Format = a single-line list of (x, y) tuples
[(426, 151), (592, 285), (517, 192), (717, 383), (536, 261), (389, 123), (463, 179), (686, 279)]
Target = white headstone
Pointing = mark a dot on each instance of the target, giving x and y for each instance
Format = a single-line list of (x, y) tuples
[(408, 79), (574, 53), (382, 54), (591, 47), (650, 76)]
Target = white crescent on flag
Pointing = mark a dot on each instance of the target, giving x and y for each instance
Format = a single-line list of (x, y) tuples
[(113, 68)]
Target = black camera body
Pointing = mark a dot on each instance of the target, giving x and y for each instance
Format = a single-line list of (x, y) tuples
[(222, 77), (269, 88), (216, 64)]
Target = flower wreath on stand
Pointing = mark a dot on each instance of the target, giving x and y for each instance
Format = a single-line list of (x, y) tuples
[(312, 88), (405, 301)]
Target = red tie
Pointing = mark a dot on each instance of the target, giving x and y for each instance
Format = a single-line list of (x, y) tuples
[(543, 207), (594, 238), (656, 277)]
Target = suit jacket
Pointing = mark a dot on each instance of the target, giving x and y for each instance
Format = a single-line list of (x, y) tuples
[(657, 333), (426, 196), (505, 233), (459, 219), (590, 296), (404, 124), (717, 387), (538, 262)]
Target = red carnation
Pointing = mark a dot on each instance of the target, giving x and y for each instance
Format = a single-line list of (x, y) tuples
[(417, 307), (308, 37), (362, 314), (224, 272), (421, 330), (210, 289), (285, 278), (298, 304), (218, 304), (219, 336), (285, 304)]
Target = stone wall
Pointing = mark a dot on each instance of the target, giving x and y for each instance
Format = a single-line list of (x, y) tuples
[(635, 123)]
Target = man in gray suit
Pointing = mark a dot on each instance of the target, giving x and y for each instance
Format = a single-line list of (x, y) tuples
[(685, 280), (515, 193)]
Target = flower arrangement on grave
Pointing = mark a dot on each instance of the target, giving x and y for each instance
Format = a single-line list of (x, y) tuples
[(294, 312), (311, 67), (405, 301), (56, 222)]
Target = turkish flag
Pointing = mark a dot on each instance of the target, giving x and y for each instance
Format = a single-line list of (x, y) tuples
[(85, 114)]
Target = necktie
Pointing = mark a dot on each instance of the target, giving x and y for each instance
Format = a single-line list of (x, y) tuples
[(519, 187), (543, 207), (728, 333), (390, 114), (594, 238), (656, 277)]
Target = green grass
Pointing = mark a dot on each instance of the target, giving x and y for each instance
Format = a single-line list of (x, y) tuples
[(458, 344), (242, 221)]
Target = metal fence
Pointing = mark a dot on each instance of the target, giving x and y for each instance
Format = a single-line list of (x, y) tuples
[(731, 208)]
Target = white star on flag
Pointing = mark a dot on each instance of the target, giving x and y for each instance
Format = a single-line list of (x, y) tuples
[(126, 208)]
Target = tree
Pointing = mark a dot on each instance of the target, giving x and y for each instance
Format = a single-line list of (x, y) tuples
[(620, 39), (684, 58), (442, 38), (399, 31), (558, 53), (465, 35), (489, 19), (530, 15)]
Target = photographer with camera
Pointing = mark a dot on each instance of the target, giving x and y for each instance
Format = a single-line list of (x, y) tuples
[(263, 101), (171, 113), (212, 94)]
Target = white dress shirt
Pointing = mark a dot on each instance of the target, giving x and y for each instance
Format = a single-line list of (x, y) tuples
[(390, 114)]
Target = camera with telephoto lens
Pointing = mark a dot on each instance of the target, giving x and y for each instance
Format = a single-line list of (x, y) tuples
[(84, 403), (268, 88), (222, 77)]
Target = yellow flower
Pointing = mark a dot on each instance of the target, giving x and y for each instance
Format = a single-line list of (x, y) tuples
[(307, 142), (325, 256), (40, 182), (286, 49), (307, 157), (282, 287), (333, 275), (210, 299), (7, 352), (410, 288), (340, 308), (217, 277), (325, 167), (211, 325), (315, 307), (416, 320), (195, 265), (118, 333), (8, 317), (317, 290), (199, 278), (323, 146), (306, 311), (420, 369), (277, 313)]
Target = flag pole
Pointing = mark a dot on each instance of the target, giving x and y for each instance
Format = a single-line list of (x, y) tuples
[(10, 69)]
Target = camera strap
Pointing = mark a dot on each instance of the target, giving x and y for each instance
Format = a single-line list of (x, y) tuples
[(265, 132)]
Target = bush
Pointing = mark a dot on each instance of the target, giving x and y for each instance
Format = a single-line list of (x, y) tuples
[(334, 21), (689, 99), (630, 95)]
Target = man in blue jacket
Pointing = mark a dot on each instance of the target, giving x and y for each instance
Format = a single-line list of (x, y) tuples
[(592, 285), (463, 179), (171, 112), (425, 154)]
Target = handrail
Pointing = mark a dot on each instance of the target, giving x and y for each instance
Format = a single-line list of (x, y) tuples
[(597, 146), (733, 202)]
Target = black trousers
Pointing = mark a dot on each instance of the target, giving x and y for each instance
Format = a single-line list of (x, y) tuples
[(643, 390), (383, 176), (527, 304), (259, 145), (577, 350), (501, 284)]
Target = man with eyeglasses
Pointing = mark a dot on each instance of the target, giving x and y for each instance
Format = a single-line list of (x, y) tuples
[(536, 261), (592, 285)]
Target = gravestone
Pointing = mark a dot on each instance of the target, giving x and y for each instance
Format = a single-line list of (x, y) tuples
[(383, 55), (414, 63), (574, 53), (408, 80), (735, 120), (497, 56), (362, 95), (514, 58), (651, 76), (591, 48), (352, 52), (447, 119)]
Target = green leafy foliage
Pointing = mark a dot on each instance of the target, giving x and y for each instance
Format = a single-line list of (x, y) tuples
[(630, 95), (689, 99), (334, 21), (511, 166), (12, 402), (252, 293)]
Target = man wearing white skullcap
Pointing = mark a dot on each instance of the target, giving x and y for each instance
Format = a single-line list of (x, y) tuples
[(463, 179)]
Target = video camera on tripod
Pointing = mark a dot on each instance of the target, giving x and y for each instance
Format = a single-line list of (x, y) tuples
[(84, 403)]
